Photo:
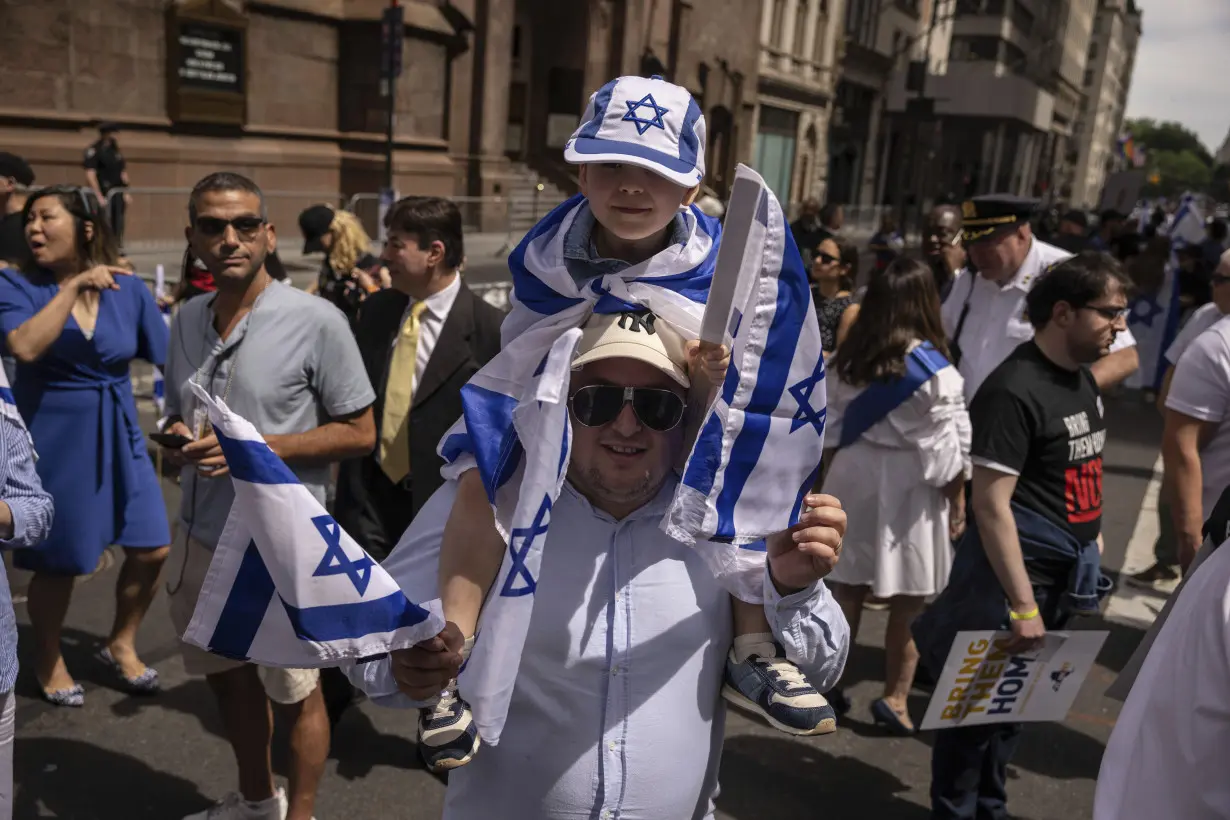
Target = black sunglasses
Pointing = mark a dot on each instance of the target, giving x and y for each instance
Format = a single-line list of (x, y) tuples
[(1108, 313), (827, 258), (246, 227), (599, 404)]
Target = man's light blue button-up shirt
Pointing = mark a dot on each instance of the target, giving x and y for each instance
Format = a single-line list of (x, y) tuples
[(617, 709)]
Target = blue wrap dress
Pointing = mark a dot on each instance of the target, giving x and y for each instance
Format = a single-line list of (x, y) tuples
[(77, 402)]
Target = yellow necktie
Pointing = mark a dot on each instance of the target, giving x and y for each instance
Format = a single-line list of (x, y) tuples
[(398, 395)]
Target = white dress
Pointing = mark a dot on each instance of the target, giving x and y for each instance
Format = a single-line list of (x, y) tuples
[(890, 482)]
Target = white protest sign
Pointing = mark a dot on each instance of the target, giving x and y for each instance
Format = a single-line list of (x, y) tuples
[(731, 281), (981, 683)]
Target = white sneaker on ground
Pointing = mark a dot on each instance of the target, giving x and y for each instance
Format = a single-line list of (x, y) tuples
[(234, 807)]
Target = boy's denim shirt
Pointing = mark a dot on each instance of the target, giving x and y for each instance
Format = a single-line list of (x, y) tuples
[(581, 255)]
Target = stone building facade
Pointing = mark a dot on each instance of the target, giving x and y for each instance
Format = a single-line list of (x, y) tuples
[(312, 124), (489, 92)]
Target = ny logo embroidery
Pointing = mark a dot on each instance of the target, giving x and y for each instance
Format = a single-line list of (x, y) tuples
[(636, 322), (335, 560), (519, 553)]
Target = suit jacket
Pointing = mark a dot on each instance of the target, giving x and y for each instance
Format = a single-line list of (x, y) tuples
[(369, 506)]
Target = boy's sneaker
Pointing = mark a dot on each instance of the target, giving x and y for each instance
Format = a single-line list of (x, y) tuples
[(448, 737), (234, 807), (1158, 578), (759, 677)]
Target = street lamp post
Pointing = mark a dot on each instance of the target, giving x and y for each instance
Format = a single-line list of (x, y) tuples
[(392, 31)]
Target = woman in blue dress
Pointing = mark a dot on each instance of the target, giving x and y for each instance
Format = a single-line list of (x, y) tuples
[(74, 322)]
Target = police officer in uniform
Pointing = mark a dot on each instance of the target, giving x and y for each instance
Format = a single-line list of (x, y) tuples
[(984, 314), (106, 170)]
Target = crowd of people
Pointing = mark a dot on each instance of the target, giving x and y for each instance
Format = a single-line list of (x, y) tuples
[(961, 484)]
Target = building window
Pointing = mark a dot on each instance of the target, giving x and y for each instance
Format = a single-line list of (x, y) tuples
[(776, 145), (862, 18), (976, 48), (1093, 50), (800, 28), (779, 21), (1089, 77), (1023, 19), (1014, 58)]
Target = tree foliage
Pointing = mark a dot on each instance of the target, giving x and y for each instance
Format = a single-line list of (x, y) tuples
[(1176, 160)]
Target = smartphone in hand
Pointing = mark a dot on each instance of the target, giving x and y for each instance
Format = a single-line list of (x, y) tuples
[(171, 441)]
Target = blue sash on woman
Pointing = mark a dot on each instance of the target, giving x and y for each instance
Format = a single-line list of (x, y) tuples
[(881, 398)]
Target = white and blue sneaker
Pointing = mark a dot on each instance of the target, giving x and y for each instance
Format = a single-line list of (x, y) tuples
[(759, 678), (448, 737)]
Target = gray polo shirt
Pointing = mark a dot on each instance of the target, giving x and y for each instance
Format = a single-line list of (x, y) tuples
[(291, 363)]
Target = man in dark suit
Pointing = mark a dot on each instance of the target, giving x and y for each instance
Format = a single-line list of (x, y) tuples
[(421, 342)]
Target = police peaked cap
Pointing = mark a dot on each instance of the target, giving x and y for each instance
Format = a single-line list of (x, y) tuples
[(992, 214)]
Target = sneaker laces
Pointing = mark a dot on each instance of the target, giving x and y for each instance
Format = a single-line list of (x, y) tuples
[(444, 704), (784, 671)]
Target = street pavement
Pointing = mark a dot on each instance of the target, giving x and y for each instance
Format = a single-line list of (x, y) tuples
[(163, 757)]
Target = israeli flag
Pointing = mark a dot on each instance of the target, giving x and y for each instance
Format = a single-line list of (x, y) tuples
[(756, 456), (287, 586), (1154, 318), (8, 408), (486, 680)]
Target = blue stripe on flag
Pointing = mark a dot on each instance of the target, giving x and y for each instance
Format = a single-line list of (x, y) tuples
[(254, 462), (245, 607), (793, 300), (338, 622), (6, 396), (528, 288), (490, 436)]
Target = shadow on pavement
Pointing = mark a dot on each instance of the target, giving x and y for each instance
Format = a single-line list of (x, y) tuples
[(78, 781), (806, 782)]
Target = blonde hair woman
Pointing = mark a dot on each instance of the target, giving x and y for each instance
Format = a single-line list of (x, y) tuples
[(349, 271)]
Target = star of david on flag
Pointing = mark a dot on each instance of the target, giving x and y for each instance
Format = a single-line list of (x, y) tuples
[(287, 586), (643, 125), (802, 393)]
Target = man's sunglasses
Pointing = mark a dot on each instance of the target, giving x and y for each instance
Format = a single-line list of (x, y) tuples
[(1219, 279), (246, 227), (1108, 313), (599, 404)]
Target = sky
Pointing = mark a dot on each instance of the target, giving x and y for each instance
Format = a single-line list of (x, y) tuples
[(1183, 66)]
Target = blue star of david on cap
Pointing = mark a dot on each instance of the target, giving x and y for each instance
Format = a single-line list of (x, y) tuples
[(801, 392), (1144, 310), (643, 125), (518, 553), (335, 560)]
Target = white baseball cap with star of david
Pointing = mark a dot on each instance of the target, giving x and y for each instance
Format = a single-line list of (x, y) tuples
[(643, 121)]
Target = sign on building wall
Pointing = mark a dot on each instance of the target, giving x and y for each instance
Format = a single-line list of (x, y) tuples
[(210, 57), (207, 62)]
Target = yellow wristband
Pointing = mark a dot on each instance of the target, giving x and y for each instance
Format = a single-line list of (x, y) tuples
[(1023, 616)]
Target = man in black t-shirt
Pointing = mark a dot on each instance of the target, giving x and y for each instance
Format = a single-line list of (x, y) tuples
[(1030, 556), (16, 177), (105, 170)]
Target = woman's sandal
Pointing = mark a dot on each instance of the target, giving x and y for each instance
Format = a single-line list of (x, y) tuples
[(146, 683), (884, 715), (73, 697)]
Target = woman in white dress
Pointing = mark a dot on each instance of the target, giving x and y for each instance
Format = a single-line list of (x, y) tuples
[(896, 414)]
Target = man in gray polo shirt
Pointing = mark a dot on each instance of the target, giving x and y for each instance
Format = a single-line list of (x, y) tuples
[(285, 361)]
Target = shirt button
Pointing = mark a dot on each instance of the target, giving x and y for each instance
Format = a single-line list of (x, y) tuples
[(613, 745), (614, 670)]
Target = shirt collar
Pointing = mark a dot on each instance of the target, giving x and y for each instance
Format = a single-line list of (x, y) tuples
[(441, 302), (654, 508), (579, 245), (1029, 270)]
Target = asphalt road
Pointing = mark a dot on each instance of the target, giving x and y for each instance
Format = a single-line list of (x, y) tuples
[(163, 757)]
